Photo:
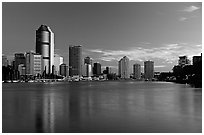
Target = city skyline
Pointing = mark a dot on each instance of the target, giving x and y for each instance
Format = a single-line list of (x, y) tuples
[(142, 31)]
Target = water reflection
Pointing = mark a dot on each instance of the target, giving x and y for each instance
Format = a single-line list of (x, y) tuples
[(102, 107)]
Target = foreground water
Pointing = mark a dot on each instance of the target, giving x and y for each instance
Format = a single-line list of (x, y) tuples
[(101, 107)]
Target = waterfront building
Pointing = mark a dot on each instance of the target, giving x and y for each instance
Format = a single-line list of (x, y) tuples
[(149, 70), (4, 60), (197, 59), (97, 69), (137, 71), (45, 47), (123, 67), (64, 70), (183, 61), (58, 60), (33, 64), (19, 59), (88, 66), (75, 60)]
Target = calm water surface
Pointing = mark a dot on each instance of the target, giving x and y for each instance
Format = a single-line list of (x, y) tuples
[(101, 107)]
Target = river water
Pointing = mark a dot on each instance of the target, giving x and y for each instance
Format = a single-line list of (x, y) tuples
[(101, 107)]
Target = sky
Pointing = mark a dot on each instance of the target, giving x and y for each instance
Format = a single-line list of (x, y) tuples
[(157, 31)]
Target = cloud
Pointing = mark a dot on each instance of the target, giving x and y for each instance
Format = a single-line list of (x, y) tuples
[(183, 19), (167, 53), (190, 9)]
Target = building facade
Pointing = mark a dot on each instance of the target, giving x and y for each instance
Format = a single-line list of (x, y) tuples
[(75, 60), (45, 47), (64, 70), (88, 66), (19, 59), (58, 60), (137, 71), (197, 59), (123, 67), (97, 69), (33, 64), (149, 70)]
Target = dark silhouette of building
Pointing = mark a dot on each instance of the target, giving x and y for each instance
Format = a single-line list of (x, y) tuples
[(63, 69), (19, 59), (197, 59), (97, 69), (75, 60), (183, 61)]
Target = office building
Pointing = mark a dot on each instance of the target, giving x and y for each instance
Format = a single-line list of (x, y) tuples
[(33, 64), (137, 71), (45, 47), (64, 70), (75, 60), (97, 69), (19, 59), (149, 70), (58, 60), (183, 61), (197, 59), (123, 67), (88, 66)]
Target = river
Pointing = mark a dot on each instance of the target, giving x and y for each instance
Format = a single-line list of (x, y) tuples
[(101, 107)]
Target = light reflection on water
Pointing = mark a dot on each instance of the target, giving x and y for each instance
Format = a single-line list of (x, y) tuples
[(101, 107)]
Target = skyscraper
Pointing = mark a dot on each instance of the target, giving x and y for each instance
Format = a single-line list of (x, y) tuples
[(97, 69), (45, 47), (88, 64), (123, 67), (149, 70), (19, 59), (136, 71), (75, 60)]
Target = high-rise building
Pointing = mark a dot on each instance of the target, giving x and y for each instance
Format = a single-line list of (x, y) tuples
[(149, 70), (123, 67), (45, 47), (75, 60), (33, 64), (88, 64), (183, 61), (4, 60), (197, 59), (97, 69), (19, 59), (63, 70), (136, 71), (58, 60)]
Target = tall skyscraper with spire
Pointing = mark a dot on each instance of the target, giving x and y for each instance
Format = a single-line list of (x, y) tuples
[(45, 47)]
